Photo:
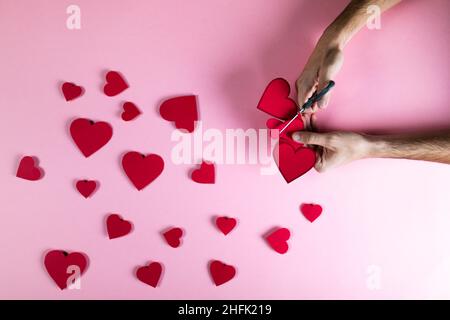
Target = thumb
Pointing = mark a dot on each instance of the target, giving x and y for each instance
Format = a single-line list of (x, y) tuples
[(313, 138)]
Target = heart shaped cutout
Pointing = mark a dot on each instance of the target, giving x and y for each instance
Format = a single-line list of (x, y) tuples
[(86, 187), (286, 135), (117, 227), (292, 162), (311, 211), (90, 136), (29, 170), (173, 237), (225, 224), (220, 272), (275, 100), (64, 267), (142, 169), (130, 111), (150, 274), (71, 91), (278, 238), (204, 174), (115, 84), (181, 110)]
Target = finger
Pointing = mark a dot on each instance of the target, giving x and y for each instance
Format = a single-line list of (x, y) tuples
[(305, 89), (311, 138), (313, 123), (331, 66), (306, 117)]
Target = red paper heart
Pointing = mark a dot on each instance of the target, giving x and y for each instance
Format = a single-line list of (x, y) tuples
[(117, 226), (173, 237), (130, 111), (71, 91), (221, 272), (311, 211), (60, 266), (142, 169), (115, 84), (275, 100), (182, 110), (205, 174), (29, 170), (86, 187), (90, 136), (294, 163), (225, 224), (150, 274), (275, 124), (278, 240)]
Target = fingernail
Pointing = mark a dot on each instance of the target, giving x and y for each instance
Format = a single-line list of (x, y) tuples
[(296, 137)]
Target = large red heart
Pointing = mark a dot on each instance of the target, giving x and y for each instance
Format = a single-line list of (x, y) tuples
[(115, 84), (117, 226), (292, 162), (86, 187), (90, 136), (204, 174), (182, 110), (311, 211), (221, 272), (275, 100), (225, 224), (71, 91), (173, 236), (278, 240), (142, 169), (28, 169), (64, 267), (150, 274), (130, 111)]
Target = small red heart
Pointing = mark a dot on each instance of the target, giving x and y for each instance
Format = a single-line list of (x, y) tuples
[(115, 84), (62, 266), (275, 100), (221, 272), (311, 211), (278, 240), (130, 111), (86, 187), (173, 236), (71, 91), (182, 110), (117, 226), (142, 169), (294, 163), (150, 274), (90, 136), (29, 170), (205, 174), (225, 224)]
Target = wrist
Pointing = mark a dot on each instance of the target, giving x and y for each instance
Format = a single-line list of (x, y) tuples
[(378, 146)]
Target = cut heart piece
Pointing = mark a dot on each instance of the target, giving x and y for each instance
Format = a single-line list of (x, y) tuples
[(86, 187), (115, 84), (221, 272), (71, 91), (311, 211), (286, 135), (90, 136), (130, 111), (181, 110), (275, 100), (65, 268), (150, 274), (29, 170), (292, 162), (205, 174), (142, 169), (225, 224), (117, 226), (173, 237), (278, 238)]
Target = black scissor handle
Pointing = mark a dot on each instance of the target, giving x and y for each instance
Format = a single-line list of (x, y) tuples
[(316, 96)]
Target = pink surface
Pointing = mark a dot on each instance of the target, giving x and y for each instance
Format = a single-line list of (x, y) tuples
[(391, 214)]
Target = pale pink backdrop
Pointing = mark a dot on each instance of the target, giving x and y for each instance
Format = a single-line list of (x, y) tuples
[(394, 214)]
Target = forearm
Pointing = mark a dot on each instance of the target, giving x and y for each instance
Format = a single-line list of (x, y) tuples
[(435, 148)]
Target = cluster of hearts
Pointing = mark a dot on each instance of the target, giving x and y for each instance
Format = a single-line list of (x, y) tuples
[(141, 169)]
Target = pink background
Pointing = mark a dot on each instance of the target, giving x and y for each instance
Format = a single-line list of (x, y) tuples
[(394, 214)]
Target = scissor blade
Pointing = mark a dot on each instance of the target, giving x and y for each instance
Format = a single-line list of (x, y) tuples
[(287, 125)]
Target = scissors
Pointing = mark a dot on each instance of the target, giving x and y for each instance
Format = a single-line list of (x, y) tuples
[(316, 96)]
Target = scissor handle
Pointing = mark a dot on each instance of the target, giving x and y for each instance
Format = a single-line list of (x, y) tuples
[(316, 96)]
